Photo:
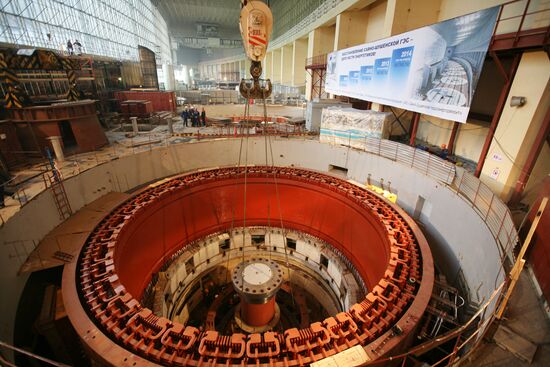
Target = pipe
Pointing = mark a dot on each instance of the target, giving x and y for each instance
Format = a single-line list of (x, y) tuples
[(257, 315), (57, 148), (414, 128), (534, 153), (498, 112), (452, 138), (134, 125), (170, 123)]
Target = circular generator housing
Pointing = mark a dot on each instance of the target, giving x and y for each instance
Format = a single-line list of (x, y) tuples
[(257, 281), (102, 289)]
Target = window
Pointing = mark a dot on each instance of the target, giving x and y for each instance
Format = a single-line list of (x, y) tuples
[(258, 238), (190, 266), (337, 170), (290, 243), (225, 245), (343, 290), (324, 261), (103, 27)]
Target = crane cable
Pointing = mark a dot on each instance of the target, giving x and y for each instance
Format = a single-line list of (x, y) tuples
[(278, 198), (246, 121)]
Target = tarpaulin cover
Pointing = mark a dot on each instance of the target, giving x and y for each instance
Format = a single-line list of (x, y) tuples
[(349, 126)]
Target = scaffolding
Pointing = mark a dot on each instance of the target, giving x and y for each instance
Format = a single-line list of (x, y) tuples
[(317, 68)]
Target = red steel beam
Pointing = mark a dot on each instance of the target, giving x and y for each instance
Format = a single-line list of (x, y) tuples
[(531, 38), (414, 128), (498, 112), (527, 3), (452, 138), (536, 147)]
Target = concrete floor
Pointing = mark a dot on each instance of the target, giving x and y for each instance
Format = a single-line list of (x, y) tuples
[(120, 145), (69, 236), (525, 317)]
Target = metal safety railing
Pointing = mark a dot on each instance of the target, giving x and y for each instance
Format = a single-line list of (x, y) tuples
[(486, 204), (465, 339), (489, 207), (35, 357), (319, 61), (422, 161), (521, 24)]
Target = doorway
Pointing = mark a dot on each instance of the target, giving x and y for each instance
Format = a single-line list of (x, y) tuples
[(67, 135)]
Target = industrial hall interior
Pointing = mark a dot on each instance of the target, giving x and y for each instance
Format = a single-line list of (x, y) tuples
[(275, 183)]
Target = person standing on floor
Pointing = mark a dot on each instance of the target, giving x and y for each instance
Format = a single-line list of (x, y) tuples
[(69, 47), (77, 48), (198, 117), (184, 116), (193, 117), (203, 117)]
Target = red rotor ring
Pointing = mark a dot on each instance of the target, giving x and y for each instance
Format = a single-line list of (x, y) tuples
[(118, 259)]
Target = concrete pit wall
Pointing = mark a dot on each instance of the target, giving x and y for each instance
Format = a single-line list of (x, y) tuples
[(460, 240)]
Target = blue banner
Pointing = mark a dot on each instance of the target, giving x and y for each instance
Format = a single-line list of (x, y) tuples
[(433, 70)]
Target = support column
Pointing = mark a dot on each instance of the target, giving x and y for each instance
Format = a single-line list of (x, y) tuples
[(534, 152), (257, 282), (498, 112), (268, 65), (236, 71), (286, 64), (452, 138), (247, 68), (320, 42), (222, 72), (170, 125), (185, 74), (521, 130), (134, 125), (242, 69), (350, 29), (202, 71), (414, 128), (299, 62), (192, 69), (276, 66), (57, 148), (169, 79)]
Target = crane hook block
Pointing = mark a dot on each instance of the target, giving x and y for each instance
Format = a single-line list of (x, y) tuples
[(256, 22)]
